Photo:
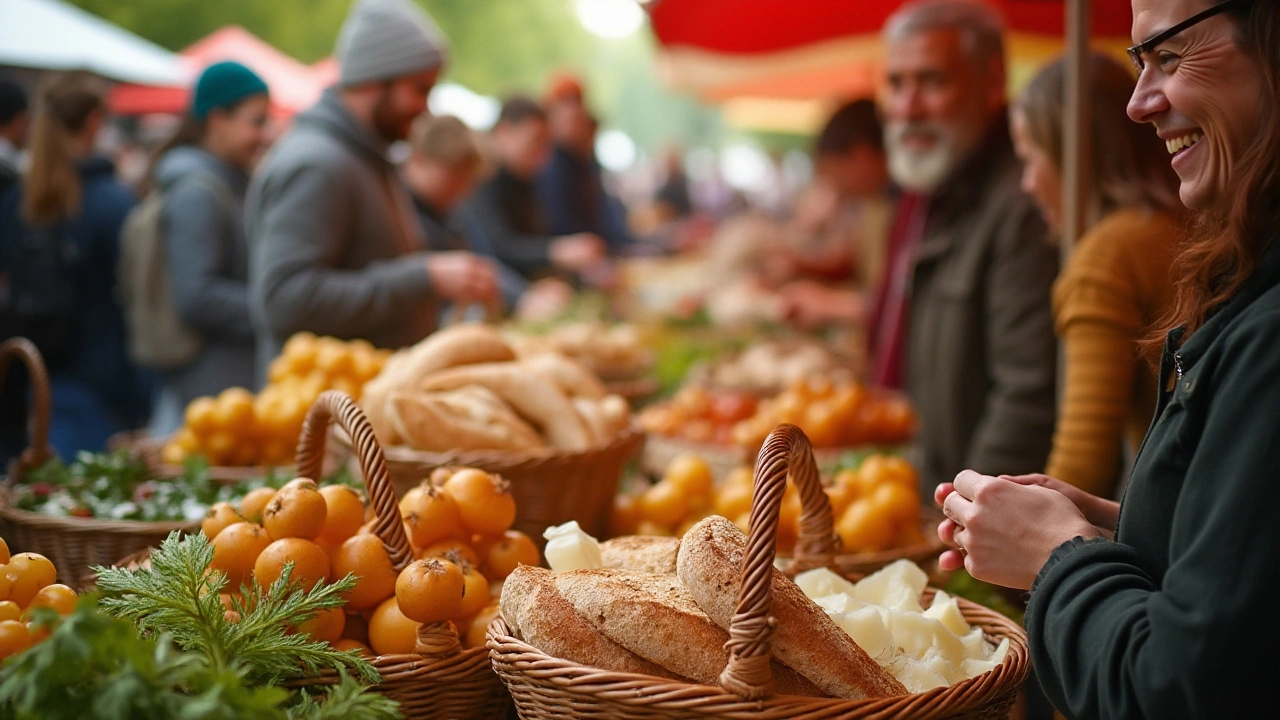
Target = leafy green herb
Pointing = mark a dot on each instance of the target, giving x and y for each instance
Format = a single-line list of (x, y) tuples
[(178, 596), (348, 700)]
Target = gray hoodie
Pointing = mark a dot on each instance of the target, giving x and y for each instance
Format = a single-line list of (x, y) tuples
[(326, 251), (208, 262)]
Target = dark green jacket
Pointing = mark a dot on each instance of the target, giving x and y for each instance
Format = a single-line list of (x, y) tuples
[(1177, 618)]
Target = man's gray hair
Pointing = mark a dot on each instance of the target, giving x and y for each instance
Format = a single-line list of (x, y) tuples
[(980, 26)]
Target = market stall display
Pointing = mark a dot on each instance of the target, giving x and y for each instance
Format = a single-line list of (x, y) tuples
[(768, 368), (725, 581), (614, 353), (545, 424), (28, 581)]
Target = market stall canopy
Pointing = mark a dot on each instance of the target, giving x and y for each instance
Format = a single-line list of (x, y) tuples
[(294, 86), (778, 64), (52, 35)]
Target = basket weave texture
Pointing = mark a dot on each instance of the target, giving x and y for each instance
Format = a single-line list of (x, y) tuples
[(550, 487), (439, 680), (546, 688), (72, 544)]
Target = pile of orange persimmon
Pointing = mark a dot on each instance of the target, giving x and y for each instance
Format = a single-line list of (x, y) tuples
[(27, 582), (458, 521)]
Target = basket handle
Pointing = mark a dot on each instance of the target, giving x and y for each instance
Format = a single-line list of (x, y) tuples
[(785, 452), (38, 450), (333, 405)]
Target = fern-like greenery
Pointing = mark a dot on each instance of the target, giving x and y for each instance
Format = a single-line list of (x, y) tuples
[(178, 596), (345, 701)]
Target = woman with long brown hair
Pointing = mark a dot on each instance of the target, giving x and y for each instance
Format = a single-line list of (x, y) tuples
[(59, 241), (1116, 284), (1163, 605)]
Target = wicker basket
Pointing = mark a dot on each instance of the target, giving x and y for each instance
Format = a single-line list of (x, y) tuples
[(550, 487), (72, 544), (151, 450), (550, 688), (440, 680)]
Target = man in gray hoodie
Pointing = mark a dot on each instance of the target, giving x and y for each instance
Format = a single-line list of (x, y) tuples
[(335, 248)]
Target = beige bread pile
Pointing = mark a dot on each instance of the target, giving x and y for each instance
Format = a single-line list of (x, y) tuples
[(464, 388), (657, 606), (770, 367), (610, 352)]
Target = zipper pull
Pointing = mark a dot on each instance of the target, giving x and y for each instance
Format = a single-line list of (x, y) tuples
[(1177, 365)]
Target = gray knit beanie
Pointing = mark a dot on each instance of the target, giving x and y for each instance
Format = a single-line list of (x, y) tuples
[(386, 39)]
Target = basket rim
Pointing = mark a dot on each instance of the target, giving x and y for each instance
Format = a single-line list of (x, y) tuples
[(69, 524), (149, 446), (401, 455), (975, 692)]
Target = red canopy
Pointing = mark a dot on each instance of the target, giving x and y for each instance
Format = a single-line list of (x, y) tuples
[(765, 26), (293, 85)]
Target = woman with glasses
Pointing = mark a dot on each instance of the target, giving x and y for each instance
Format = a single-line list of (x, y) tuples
[(201, 175), (1162, 605)]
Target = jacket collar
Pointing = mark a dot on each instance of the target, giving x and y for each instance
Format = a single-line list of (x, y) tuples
[(332, 117), (1264, 277)]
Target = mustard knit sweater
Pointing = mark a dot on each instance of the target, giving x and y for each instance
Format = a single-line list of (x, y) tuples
[(1115, 286)]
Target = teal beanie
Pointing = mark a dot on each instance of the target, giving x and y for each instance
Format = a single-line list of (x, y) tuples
[(222, 85)]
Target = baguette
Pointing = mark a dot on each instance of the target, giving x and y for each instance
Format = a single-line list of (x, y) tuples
[(569, 375), (470, 418), (644, 553), (540, 616), (709, 564), (541, 403), (654, 617), (453, 346)]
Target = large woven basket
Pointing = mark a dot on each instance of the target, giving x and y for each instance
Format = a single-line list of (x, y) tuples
[(440, 680), (72, 544), (548, 688), (550, 487)]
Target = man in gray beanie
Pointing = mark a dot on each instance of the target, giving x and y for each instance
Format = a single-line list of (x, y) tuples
[(335, 248)]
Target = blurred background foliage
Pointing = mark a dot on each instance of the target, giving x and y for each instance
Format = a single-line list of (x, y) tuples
[(499, 47)]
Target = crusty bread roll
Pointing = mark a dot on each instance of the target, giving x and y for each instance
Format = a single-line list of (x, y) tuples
[(644, 553), (469, 418), (540, 616), (709, 564), (453, 346), (569, 375), (654, 617), (541, 403)]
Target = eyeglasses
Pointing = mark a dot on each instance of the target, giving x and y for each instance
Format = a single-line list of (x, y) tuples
[(1149, 45)]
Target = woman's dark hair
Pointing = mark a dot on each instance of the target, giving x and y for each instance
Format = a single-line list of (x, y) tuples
[(190, 132), (853, 124), (1229, 240), (1129, 164), (63, 106), (519, 108)]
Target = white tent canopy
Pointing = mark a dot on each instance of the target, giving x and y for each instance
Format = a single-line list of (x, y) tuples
[(52, 35)]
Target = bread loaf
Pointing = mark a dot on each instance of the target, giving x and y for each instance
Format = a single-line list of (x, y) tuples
[(470, 418), (451, 347), (643, 553), (541, 403), (569, 375), (540, 616), (709, 564), (654, 617)]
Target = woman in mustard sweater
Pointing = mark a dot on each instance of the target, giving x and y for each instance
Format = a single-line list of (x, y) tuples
[(1116, 285)]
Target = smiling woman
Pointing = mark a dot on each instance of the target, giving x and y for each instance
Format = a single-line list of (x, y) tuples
[(1167, 608)]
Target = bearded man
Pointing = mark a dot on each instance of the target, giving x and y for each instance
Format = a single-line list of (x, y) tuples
[(335, 245), (962, 319)]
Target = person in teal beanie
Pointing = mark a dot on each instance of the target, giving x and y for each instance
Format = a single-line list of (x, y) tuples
[(202, 174)]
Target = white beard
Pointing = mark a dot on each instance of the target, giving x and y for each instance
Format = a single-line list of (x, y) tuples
[(922, 170)]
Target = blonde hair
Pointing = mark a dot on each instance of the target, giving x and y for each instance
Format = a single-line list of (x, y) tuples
[(446, 140), (63, 106)]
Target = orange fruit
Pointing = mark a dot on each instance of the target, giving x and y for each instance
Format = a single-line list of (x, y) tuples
[(898, 501), (4, 552), (6, 584), (254, 502), (445, 548), (430, 515), (219, 516), (347, 644), (9, 610), (431, 591), (37, 632), (390, 632), (733, 500), (515, 548), (199, 416), (60, 598), (365, 557), (14, 638), (691, 473), (664, 503), (649, 527), (27, 574), (297, 511), (236, 549), (235, 408), (344, 513), (325, 625), (484, 501), (863, 527), (310, 564), (218, 447), (475, 591), (472, 630)]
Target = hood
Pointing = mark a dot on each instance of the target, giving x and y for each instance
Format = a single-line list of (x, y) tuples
[(331, 117), (185, 160)]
